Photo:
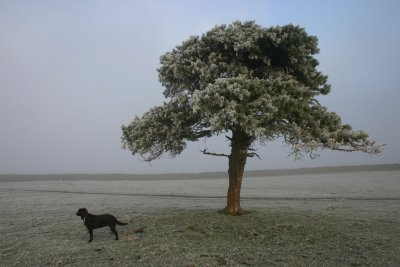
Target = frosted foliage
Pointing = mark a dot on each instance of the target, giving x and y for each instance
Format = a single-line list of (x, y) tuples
[(230, 103), (161, 129), (243, 78)]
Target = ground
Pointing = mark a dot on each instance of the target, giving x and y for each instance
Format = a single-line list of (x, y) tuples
[(351, 223)]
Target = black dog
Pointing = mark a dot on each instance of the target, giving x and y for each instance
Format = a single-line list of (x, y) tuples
[(97, 221)]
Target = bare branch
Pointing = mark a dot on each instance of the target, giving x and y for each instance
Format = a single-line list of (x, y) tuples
[(252, 154), (313, 155), (229, 138), (152, 157), (205, 152)]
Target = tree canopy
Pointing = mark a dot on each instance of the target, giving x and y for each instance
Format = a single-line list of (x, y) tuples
[(243, 78), (250, 83)]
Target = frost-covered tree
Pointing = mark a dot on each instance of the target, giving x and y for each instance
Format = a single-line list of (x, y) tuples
[(250, 83)]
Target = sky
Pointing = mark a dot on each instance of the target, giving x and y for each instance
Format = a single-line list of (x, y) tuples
[(73, 72)]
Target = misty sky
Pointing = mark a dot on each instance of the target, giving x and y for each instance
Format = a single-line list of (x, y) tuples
[(72, 72)]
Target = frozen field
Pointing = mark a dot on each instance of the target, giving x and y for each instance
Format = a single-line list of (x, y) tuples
[(329, 219)]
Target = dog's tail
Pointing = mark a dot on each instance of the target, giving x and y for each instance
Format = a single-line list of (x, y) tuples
[(120, 223)]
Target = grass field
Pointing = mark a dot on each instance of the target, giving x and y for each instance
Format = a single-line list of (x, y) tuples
[(353, 224)]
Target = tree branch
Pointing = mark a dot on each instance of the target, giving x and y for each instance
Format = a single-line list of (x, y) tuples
[(204, 133), (205, 152), (152, 157), (370, 149), (252, 154)]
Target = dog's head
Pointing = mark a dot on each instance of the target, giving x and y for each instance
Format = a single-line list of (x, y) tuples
[(82, 212)]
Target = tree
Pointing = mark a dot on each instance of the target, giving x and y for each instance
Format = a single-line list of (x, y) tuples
[(250, 83)]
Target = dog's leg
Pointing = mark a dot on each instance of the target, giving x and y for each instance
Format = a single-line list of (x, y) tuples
[(91, 235), (112, 228)]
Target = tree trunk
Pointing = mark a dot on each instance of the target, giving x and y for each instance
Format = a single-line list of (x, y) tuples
[(237, 160)]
